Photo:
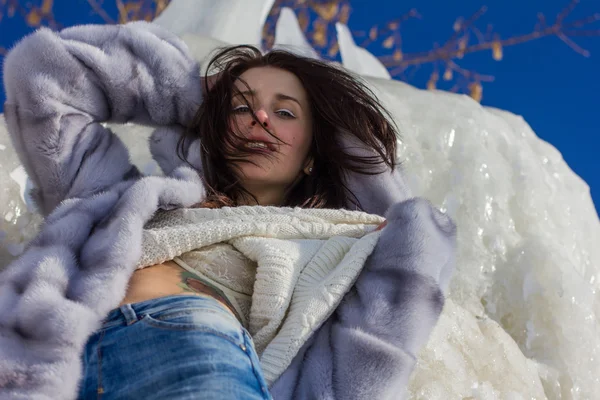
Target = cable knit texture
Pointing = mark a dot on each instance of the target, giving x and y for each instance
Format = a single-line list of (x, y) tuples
[(307, 260), (348, 333)]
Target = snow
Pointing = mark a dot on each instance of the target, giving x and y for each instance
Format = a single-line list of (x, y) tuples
[(521, 320)]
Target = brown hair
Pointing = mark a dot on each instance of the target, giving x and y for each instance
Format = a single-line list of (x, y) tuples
[(339, 102)]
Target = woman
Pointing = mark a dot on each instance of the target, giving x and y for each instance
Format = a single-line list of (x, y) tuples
[(275, 130)]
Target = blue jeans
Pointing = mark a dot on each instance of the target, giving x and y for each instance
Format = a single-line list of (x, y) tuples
[(175, 347)]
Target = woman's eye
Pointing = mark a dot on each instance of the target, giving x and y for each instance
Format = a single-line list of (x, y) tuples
[(286, 113), (241, 109)]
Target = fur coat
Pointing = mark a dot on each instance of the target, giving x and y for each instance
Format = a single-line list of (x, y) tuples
[(61, 87)]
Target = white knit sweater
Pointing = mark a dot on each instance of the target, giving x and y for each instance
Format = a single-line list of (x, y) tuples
[(307, 259)]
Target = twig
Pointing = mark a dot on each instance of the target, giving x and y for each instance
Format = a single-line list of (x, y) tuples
[(465, 26), (566, 11), (122, 11), (392, 26), (480, 36), (541, 22), (584, 21), (101, 12), (583, 33), (469, 74), (573, 45)]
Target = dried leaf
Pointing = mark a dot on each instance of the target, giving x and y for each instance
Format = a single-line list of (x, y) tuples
[(130, 12), (326, 11), (320, 34), (345, 14), (47, 6), (388, 43), (497, 50), (398, 56), (270, 41), (275, 10), (373, 33), (34, 18), (462, 45), (303, 20), (161, 5), (433, 79), (448, 74), (333, 50), (476, 91), (393, 25), (457, 24)]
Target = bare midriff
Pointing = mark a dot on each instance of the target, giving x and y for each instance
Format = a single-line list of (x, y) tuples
[(167, 279)]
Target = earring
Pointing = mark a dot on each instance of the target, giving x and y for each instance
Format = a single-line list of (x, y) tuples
[(310, 170)]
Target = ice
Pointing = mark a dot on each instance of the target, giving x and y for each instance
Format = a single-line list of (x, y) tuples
[(289, 36), (521, 320), (356, 58), (18, 223), (231, 21)]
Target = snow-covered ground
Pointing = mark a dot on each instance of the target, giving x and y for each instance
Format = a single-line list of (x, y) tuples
[(521, 320)]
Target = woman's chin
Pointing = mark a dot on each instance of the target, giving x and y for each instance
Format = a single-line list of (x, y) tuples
[(256, 173)]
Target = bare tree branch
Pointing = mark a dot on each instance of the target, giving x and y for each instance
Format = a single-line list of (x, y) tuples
[(573, 45), (449, 52), (466, 38)]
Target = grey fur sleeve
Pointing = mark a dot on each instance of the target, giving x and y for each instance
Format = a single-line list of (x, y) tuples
[(55, 295), (367, 349), (376, 191), (61, 86)]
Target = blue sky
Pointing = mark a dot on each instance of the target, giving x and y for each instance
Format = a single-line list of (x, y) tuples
[(555, 89)]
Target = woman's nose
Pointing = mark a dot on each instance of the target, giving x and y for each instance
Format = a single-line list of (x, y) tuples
[(262, 117)]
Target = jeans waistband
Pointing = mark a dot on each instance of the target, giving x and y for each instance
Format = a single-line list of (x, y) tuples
[(128, 314)]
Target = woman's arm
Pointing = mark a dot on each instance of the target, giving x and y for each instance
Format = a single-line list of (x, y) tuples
[(61, 87)]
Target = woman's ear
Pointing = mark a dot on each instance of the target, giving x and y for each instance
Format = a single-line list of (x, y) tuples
[(308, 166), (208, 82)]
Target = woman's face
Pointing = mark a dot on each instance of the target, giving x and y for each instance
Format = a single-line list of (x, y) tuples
[(281, 106)]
